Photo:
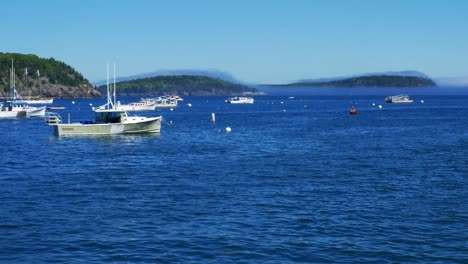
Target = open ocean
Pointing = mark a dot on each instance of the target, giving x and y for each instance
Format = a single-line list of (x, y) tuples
[(295, 181)]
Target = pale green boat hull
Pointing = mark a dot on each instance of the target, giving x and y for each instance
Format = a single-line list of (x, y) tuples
[(148, 125)]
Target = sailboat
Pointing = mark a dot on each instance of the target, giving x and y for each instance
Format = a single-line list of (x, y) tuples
[(109, 120), (16, 106)]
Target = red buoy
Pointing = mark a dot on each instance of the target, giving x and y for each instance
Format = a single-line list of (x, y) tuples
[(353, 111)]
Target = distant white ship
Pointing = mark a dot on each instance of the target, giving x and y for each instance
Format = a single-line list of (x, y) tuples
[(399, 99), (240, 100)]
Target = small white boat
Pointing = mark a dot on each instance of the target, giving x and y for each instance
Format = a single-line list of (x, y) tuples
[(55, 107), (109, 120), (399, 99), (40, 101), (161, 102), (240, 100), (16, 107), (141, 106)]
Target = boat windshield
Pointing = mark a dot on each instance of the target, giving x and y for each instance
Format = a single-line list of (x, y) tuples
[(108, 117)]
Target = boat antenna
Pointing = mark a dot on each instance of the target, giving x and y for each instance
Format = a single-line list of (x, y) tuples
[(114, 83)]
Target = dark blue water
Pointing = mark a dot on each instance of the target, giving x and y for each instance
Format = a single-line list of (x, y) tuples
[(297, 180)]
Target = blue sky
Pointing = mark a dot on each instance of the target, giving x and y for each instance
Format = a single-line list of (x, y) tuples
[(256, 41)]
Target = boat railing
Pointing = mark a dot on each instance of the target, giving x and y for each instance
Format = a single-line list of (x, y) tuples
[(52, 118)]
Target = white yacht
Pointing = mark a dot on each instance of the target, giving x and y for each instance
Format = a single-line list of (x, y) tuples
[(141, 106), (39, 101), (161, 102), (399, 99), (240, 100), (109, 120)]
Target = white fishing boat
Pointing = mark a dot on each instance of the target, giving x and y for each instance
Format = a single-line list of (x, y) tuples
[(161, 102), (240, 100), (399, 99), (110, 120), (142, 106), (16, 107), (39, 101)]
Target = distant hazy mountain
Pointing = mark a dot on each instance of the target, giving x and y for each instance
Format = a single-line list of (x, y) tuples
[(187, 72)]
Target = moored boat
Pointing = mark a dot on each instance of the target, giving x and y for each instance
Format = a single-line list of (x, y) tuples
[(399, 99), (161, 102), (141, 106), (40, 100), (240, 100), (109, 120), (16, 106)]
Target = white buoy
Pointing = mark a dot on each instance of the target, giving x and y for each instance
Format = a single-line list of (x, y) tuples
[(373, 104), (228, 129), (422, 101), (189, 105), (213, 118), (172, 109), (282, 102), (91, 104), (73, 102), (284, 110), (380, 106)]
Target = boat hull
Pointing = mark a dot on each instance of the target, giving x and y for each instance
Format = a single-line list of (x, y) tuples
[(8, 114), (40, 101), (22, 112), (36, 112), (134, 125)]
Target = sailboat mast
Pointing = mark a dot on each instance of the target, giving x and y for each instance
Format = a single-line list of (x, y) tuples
[(12, 81), (38, 82), (27, 83), (108, 92)]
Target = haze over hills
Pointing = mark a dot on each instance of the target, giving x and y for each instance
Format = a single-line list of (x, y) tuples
[(406, 73), (216, 74), (452, 81), (192, 85)]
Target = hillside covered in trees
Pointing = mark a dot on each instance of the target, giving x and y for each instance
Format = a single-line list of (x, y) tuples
[(371, 81), (180, 84), (42, 77)]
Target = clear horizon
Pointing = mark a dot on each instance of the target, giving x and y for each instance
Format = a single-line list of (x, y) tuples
[(255, 42)]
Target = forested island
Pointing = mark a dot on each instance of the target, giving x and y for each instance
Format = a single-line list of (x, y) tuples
[(369, 81), (184, 85), (42, 77)]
